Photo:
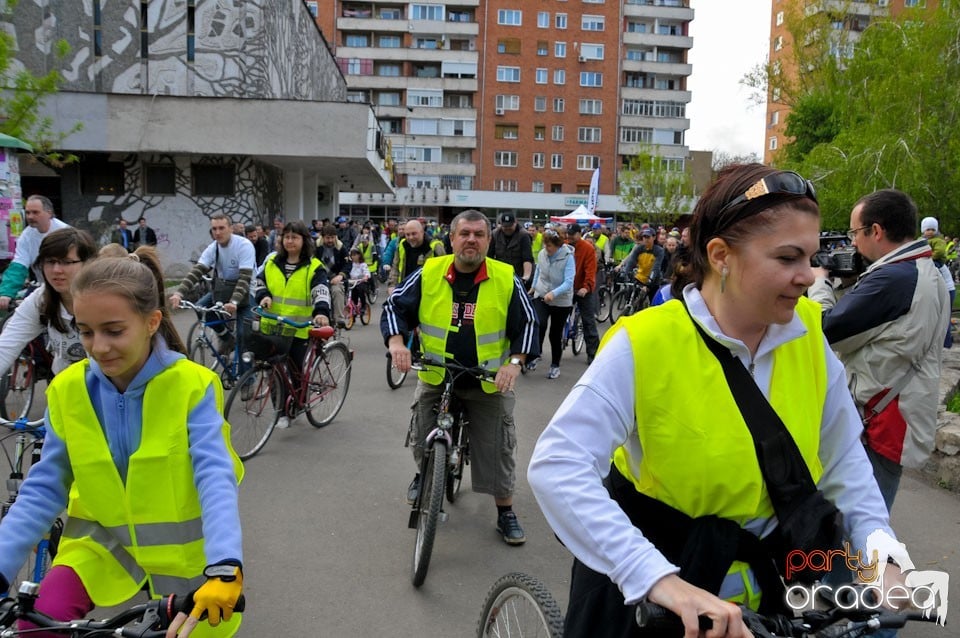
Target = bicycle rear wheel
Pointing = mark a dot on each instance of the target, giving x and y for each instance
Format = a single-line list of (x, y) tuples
[(577, 345), (17, 387), (603, 304), (395, 378), (366, 313), (253, 409), (520, 605), (199, 346), (349, 316), (373, 291), (430, 501), (328, 384), (461, 446), (619, 304)]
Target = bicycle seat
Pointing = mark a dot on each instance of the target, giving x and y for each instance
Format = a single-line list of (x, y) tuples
[(323, 333)]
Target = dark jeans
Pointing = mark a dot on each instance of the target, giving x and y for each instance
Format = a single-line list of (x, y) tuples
[(887, 474), (588, 315), (557, 315)]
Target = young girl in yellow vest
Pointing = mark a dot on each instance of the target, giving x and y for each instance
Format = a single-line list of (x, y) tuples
[(139, 454)]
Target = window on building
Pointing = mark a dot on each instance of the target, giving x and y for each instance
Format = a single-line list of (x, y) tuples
[(636, 27), (541, 76), (559, 49), (560, 21), (779, 18), (778, 43), (775, 94), (508, 102), (511, 17), (100, 177), (556, 161), (556, 133), (509, 45), (540, 103), (542, 47), (588, 162), (311, 7), (388, 70), (356, 40), (390, 13), (539, 133), (508, 74), (505, 185), (159, 179), (591, 78), (773, 143), (543, 19), (558, 105), (559, 76), (358, 97), (636, 135), (537, 186), (506, 132), (556, 188), (213, 180), (427, 12), (591, 51), (588, 134), (538, 160), (591, 23), (389, 41), (505, 158), (591, 107), (774, 118)]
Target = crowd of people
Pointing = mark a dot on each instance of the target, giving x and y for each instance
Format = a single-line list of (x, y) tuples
[(845, 370)]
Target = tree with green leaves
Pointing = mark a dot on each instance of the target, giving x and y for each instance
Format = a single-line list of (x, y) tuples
[(653, 189), (22, 94), (881, 114)]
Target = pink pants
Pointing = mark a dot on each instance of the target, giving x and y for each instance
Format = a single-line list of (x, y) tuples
[(62, 597)]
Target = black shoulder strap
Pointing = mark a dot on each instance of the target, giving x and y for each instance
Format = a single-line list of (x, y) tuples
[(786, 474)]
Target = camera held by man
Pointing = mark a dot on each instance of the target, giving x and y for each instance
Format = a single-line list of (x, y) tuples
[(838, 257)]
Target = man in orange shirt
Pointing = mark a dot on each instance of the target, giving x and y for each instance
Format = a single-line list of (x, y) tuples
[(585, 286)]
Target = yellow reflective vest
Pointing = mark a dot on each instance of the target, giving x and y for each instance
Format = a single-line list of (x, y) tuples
[(698, 455), (402, 255), (291, 297), (536, 245), (490, 322), (148, 530)]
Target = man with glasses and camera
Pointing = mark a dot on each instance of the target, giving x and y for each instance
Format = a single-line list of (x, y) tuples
[(887, 329)]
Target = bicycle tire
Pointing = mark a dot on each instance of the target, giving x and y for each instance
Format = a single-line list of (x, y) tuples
[(430, 502), (603, 305), (577, 344), (349, 316), (395, 378), (366, 314), (373, 291), (328, 384), (199, 346), (461, 443), (618, 304), (17, 388), (521, 605), (253, 410)]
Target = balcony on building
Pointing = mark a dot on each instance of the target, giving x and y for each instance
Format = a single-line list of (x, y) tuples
[(667, 9)]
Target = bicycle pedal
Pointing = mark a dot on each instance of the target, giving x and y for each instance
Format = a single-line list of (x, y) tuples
[(442, 517)]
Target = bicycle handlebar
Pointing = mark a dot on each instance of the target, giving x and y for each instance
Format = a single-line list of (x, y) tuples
[(35, 427), (453, 368), (262, 312), (150, 620), (216, 308)]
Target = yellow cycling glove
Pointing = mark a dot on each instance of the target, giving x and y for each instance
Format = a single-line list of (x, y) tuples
[(216, 598)]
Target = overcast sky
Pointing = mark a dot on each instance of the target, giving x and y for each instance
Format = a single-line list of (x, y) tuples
[(729, 39)]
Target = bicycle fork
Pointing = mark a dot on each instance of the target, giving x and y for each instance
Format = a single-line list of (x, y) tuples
[(440, 431)]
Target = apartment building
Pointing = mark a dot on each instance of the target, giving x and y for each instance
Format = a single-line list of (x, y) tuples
[(512, 104), (843, 20)]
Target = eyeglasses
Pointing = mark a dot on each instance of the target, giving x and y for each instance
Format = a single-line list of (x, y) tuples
[(852, 233), (782, 183), (53, 262)]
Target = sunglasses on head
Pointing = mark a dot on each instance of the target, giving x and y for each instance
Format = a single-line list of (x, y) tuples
[(781, 183)]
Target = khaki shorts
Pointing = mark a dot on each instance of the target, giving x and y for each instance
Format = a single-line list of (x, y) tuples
[(493, 435)]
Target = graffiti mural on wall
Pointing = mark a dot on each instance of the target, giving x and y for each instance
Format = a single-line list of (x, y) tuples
[(180, 219), (243, 48)]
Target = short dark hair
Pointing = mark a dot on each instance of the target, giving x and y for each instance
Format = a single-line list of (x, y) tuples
[(249, 228), (328, 230), (469, 215), (219, 215), (141, 219), (893, 210)]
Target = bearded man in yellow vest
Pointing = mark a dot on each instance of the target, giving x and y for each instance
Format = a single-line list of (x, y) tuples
[(683, 517), (493, 326)]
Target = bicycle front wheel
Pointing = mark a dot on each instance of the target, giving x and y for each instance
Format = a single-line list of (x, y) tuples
[(618, 304), (349, 316), (395, 378), (253, 409), (577, 345), (603, 305), (520, 605), (366, 313), (328, 384), (200, 344), (372, 291), (17, 387), (432, 482)]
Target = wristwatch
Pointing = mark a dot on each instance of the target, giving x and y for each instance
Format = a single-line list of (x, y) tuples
[(226, 573), (516, 361)]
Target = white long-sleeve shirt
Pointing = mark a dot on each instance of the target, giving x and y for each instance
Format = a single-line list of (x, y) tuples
[(573, 454), (25, 325)]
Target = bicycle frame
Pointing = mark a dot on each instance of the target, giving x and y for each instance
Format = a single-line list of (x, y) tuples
[(230, 369)]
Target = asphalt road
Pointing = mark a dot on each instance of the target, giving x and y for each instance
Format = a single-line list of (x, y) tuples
[(328, 551)]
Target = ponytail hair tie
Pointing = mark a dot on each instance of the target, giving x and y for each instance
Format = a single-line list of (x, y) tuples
[(135, 257)]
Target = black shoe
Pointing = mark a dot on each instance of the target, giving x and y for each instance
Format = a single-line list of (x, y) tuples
[(414, 490), (509, 526)]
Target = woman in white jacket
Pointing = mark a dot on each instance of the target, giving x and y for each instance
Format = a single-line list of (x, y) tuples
[(49, 308), (553, 295)]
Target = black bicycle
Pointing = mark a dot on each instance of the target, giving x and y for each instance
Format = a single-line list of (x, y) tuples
[(144, 620), (446, 452)]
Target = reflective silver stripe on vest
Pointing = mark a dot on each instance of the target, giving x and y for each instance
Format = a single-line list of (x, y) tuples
[(433, 331), (493, 337), (169, 533), (174, 584), (78, 528), (292, 301)]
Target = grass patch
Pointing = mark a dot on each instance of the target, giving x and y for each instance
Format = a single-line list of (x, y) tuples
[(953, 403)]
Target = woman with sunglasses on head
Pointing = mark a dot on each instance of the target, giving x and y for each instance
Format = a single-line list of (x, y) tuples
[(50, 307), (678, 517)]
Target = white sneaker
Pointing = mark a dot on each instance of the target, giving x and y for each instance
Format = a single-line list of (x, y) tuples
[(554, 372), (283, 423)]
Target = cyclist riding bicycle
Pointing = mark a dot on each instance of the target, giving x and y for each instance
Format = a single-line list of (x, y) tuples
[(49, 308), (692, 514), (41, 220), (647, 257), (139, 454), (360, 273), (494, 326)]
